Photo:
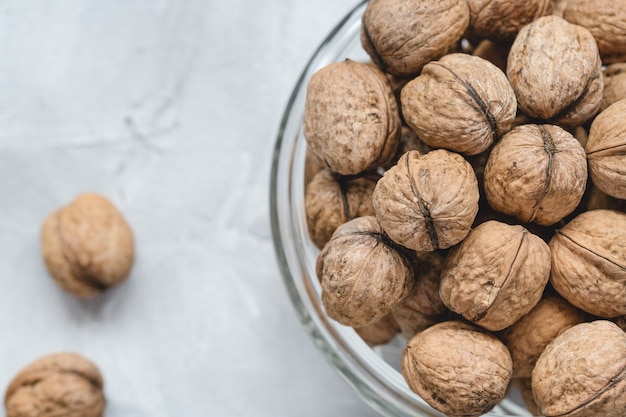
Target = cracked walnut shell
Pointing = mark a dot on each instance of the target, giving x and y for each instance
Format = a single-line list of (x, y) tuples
[(427, 202), (562, 83), (87, 245), (606, 150), (582, 372), (536, 173), (351, 117), (461, 102), (401, 36), (56, 385), (589, 262), (457, 368), (363, 275), (496, 275)]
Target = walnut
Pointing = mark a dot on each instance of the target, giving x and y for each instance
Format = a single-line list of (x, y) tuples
[(496, 275), (56, 385), (496, 53), (560, 84), (525, 389), (582, 372), (606, 150), (332, 199), (596, 199), (401, 36), (423, 307), (614, 84), (427, 202), (363, 275), (606, 20), (461, 102), (536, 173), (501, 20), (589, 262), (351, 118), (457, 368), (87, 245), (379, 332), (530, 335)]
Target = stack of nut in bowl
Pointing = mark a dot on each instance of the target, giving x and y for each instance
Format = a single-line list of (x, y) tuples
[(467, 189)]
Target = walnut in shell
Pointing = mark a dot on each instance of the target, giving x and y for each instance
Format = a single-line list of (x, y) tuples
[(496, 275), (589, 262), (56, 385), (331, 200), (379, 332), (363, 275), (536, 173), (583, 372), (457, 368), (614, 84), (423, 307), (427, 202), (530, 335), (606, 150), (561, 83), (401, 36), (461, 102), (87, 245), (606, 20), (351, 118), (501, 20)]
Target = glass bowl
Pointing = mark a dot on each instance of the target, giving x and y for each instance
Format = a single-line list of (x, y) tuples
[(373, 372)]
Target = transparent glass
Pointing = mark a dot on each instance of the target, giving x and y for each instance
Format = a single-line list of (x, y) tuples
[(374, 373)]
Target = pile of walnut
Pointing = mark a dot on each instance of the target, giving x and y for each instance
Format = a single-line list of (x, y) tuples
[(467, 189)]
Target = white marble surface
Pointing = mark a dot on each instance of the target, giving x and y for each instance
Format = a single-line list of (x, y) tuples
[(169, 108)]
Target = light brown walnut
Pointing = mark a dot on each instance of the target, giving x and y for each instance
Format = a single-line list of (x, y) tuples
[(582, 372), (401, 36), (530, 335), (363, 275), (536, 173), (351, 118), (331, 200), (87, 245), (462, 103), (496, 275), (606, 20), (56, 385), (427, 202), (589, 262), (606, 150), (561, 83), (457, 368)]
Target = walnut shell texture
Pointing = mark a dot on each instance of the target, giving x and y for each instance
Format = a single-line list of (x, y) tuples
[(362, 274), (331, 200), (461, 102), (56, 385), (457, 368), (530, 335), (401, 36), (379, 332), (351, 118), (501, 20), (606, 20), (589, 262), (427, 202), (560, 84), (496, 275), (87, 245), (606, 150), (583, 372), (423, 307), (614, 84), (536, 173)]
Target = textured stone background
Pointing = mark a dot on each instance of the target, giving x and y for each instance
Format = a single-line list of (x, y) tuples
[(170, 108)]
